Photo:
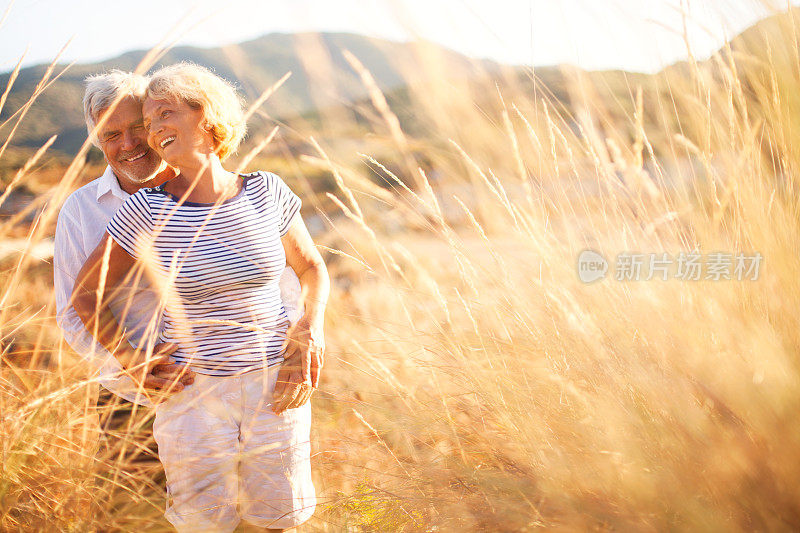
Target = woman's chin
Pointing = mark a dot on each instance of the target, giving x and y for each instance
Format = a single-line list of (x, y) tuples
[(186, 158), (171, 158)]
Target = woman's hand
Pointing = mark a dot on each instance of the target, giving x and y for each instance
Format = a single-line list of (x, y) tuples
[(305, 343), (298, 375)]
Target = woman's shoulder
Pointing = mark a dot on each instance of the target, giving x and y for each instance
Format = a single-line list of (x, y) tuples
[(269, 179), (146, 192), (142, 200), (140, 197)]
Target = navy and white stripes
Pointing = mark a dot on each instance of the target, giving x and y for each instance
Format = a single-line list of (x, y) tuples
[(219, 267)]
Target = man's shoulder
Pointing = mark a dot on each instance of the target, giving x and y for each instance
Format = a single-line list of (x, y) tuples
[(82, 195), (78, 200)]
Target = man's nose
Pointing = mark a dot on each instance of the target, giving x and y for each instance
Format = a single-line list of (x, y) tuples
[(130, 140)]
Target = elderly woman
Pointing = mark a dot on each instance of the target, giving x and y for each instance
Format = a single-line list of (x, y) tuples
[(216, 242)]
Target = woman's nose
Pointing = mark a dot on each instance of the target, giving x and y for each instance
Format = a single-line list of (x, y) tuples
[(152, 135), (151, 130), (155, 128)]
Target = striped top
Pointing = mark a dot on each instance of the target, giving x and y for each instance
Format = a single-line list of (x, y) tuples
[(219, 267)]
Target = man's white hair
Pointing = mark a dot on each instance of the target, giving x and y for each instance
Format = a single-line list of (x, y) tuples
[(103, 90)]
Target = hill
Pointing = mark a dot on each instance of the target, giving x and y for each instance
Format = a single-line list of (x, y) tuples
[(322, 80), (254, 65)]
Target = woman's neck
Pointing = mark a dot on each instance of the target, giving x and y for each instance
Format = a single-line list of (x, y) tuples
[(205, 182)]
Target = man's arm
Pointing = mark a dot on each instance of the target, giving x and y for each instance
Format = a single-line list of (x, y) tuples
[(68, 257), (290, 295), (96, 283)]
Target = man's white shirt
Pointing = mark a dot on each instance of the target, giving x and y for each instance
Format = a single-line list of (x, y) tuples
[(81, 225)]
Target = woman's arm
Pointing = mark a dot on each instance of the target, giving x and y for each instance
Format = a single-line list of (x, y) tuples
[(305, 345), (104, 269)]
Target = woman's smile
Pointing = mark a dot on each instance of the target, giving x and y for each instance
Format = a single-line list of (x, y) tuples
[(166, 141)]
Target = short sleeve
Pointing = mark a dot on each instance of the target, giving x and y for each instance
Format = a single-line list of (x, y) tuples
[(287, 202), (132, 225)]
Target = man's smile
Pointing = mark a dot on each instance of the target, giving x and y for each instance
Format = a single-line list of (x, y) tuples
[(135, 157)]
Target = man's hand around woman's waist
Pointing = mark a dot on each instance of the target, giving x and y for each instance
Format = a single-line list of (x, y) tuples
[(156, 372)]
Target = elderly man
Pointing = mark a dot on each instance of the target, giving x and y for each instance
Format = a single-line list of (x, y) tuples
[(116, 98)]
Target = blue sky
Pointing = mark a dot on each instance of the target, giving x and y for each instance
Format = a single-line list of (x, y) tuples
[(642, 35)]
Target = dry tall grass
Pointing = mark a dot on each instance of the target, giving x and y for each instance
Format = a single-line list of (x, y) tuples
[(473, 382)]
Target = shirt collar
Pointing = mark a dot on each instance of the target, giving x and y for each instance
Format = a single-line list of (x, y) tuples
[(109, 184)]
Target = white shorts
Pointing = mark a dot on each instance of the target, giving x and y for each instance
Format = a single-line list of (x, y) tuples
[(221, 445)]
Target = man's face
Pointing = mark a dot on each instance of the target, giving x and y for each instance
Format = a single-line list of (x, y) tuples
[(123, 141)]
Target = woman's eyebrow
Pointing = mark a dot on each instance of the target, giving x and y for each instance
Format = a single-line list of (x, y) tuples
[(155, 111), (145, 120)]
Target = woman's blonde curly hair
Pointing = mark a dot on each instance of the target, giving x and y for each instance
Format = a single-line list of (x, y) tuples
[(202, 89)]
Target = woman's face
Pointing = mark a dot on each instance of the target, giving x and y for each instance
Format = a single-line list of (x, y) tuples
[(175, 130)]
